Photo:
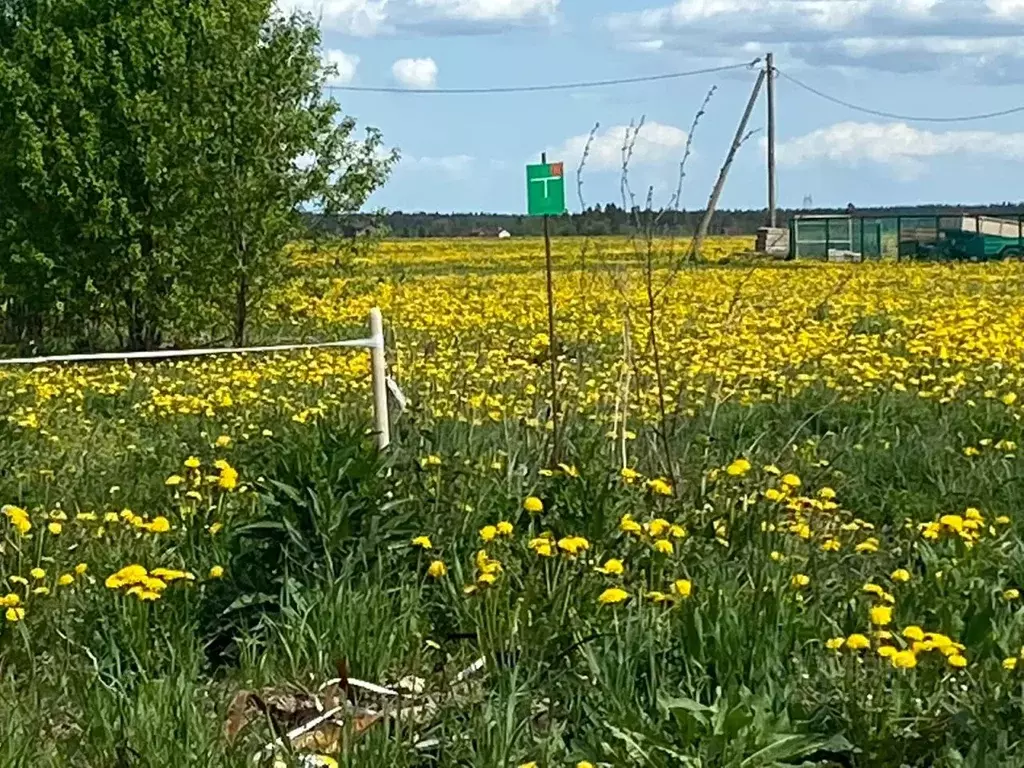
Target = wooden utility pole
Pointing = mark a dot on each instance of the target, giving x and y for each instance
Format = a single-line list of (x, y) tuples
[(552, 341), (772, 216), (737, 141)]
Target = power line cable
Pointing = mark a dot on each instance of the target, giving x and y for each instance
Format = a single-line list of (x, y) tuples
[(895, 116), (552, 87)]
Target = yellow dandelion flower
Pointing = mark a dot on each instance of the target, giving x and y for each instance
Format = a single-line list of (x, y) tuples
[(682, 587), (168, 574), (533, 505), (573, 545), (228, 477), (880, 615), (953, 522), (903, 660), (629, 475), (663, 546), (611, 567), (901, 575), (159, 524), (612, 595), (437, 569), (738, 468), (857, 642), (14, 614), (542, 545), (628, 525), (657, 527), (913, 632), (660, 486)]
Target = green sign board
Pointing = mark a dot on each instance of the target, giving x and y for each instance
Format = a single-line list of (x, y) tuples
[(545, 189)]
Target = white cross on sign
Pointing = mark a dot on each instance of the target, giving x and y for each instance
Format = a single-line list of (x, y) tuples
[(544, 180), (545, 189)]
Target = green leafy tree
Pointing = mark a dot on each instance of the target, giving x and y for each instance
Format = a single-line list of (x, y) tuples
[(151, 164), (94, 195), (281, 149)]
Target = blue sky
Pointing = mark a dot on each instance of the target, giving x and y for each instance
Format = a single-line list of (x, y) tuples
[(466, 153)]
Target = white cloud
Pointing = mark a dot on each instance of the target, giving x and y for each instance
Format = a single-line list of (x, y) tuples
[(981, 37), (899, 146), (416, 73), (363, 18), (642, 46), (491, 10), (344, 63), (1007, 9), (656, 143), (374, 17), (453, 166)]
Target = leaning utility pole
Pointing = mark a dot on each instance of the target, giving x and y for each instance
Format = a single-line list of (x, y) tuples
[(770, 65), (737, 142)]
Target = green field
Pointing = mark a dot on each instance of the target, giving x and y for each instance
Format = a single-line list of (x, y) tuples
[(821, 569)]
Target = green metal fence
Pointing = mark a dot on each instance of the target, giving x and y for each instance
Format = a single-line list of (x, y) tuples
[(851, 237)]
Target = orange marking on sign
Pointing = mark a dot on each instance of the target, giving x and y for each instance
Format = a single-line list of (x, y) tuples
[(556, 169)]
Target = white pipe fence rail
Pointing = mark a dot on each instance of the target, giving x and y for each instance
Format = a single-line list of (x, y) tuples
[(374, 342)]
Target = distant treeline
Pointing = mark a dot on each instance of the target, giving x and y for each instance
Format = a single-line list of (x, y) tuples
[(613, 220)]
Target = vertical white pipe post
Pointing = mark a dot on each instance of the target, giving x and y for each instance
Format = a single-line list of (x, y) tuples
[(378, 372)]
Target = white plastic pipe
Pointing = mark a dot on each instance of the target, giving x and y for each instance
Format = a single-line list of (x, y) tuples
[(167, 354), (379, 375), (378, 365)]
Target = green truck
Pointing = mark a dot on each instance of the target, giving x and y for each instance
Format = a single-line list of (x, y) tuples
[(966, 238)]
